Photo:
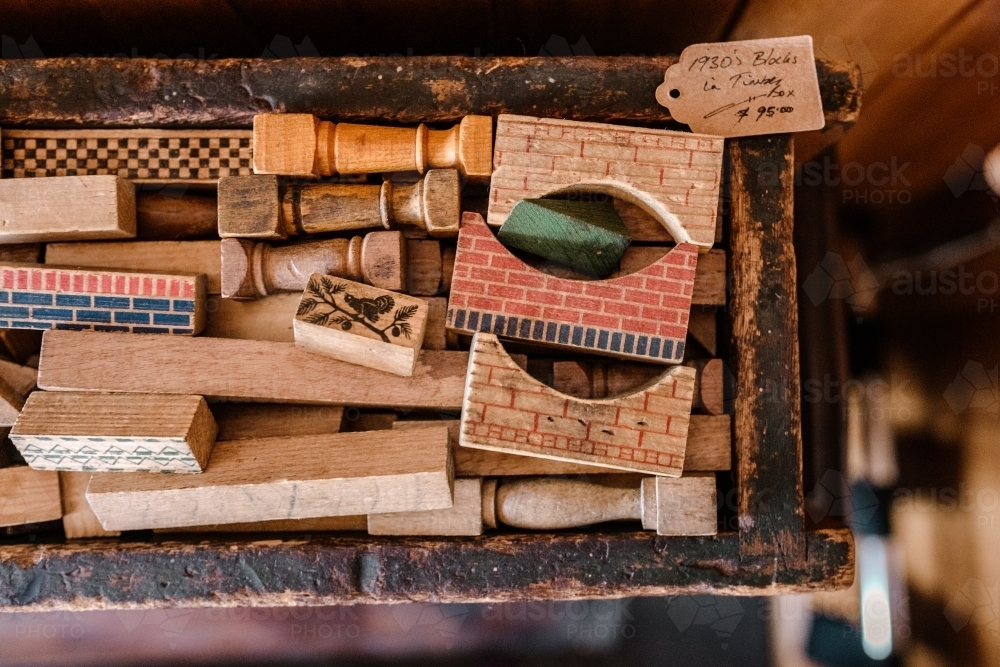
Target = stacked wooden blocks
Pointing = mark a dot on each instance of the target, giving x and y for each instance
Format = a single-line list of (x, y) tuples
[(350, 374)]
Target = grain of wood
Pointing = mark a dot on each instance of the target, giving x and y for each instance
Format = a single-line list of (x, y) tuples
[(435, 333), (71, 208), (702, 327), (247, 421), (423, 266), (153, 256), (361, 324), (320, 525), (28, 496), (465, 517), (299, 477), (267, 319), (685, 506), (79, 520), (115, 432), (241, 370)]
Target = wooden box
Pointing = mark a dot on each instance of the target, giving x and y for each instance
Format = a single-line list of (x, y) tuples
[(770, 551)]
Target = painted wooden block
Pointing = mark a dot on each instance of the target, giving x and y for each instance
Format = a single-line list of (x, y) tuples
[(587, 236), (642, 316), (42, 296), (357, 523), (242, 370), (28, 496), (298, 477), (465, 517), (73, 208), (261, 207), (361, 324), (247, 421), (267, 319), (144, 156), (507, 410), (675, 176), (685, 506), (83, 432)]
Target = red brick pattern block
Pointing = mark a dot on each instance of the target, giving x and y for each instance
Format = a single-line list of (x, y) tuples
[(506, 410), (642, 316), (678, 173)]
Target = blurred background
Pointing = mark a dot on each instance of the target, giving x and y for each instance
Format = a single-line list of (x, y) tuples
[(898, 237)]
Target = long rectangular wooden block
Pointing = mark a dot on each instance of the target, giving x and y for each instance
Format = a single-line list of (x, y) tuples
[(28, 496), (73, 208), (465, 517), (152, 256), (267, 319), (298, 477), (145, 156), (247, 421), (83, 432), (241, 369), (41, 296), (79, 520)]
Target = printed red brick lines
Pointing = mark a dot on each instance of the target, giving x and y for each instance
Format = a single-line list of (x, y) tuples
[(85, 282)]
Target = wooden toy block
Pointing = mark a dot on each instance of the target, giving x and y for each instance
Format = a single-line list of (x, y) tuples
[(245, 421), (152, 256), (685, 506), (360, 324), (246, 370), (174, 213), (587, 236), (79, 520), (320, 525), (709, 447), (261, 207), (423, 267), (144, 156), (465, 517), (11, 403), (674, 176), (435, 334), (507, 410), (72, 208), (642, 316), (251, 269), (299, 477), (44, 296), (22, 379), (20, 344), (28, 496), (82, 432), (267, 319), (303, 145), (709, 279)]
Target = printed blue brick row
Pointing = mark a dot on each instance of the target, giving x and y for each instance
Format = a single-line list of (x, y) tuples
[(44, 317), (110, 302)]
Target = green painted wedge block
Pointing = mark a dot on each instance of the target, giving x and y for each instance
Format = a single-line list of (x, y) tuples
[(587, 236)]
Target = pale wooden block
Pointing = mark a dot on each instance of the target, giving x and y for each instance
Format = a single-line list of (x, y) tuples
[(242, 370), (361, 324), (507, 410), (284, 144), (323, 524), (68, 208), (11, 403), (22, 379), (115, 432), (268, 319), (435, 333), (152, 256), (28, 496), (684, 506), (246, 421), (465, 517), (298, 477), (79, 520)]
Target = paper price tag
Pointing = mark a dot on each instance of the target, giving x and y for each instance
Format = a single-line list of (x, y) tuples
[(739, 89)]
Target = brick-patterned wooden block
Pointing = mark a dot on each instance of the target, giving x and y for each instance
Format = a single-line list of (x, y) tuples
[(42, 296), (145, 156), (643, 315), (675, 176), (506, 410)]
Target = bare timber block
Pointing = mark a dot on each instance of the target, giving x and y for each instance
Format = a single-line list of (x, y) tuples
[(71, 208), (28, 496)]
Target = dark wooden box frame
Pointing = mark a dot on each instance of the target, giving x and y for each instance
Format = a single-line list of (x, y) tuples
[(772, 552)]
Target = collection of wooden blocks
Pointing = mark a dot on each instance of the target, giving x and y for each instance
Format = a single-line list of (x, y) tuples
[(349, 372)]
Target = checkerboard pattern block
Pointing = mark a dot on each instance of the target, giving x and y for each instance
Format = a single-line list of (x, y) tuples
[(93, 454), (533, 157), (641, 316), (507, 410), (150, 156), (46, 297)]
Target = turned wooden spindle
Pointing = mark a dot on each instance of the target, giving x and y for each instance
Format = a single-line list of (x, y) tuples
[(303, 145), (251, 269), (260, 207)]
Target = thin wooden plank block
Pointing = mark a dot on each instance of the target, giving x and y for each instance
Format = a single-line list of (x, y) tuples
[(268, 319), (144, 156), (43, 296), (115, 432), (435, 333), (298, 477), (360, 324), (79, 520), (28, 496), (246, 421), (152, 256), (320, 525), (642, 316), (242, 369), (709, 277), (22, 379), (709, 448), (465, 517), (684, 506), (676, 175), (71, 208), (423, 266), (507, 410)]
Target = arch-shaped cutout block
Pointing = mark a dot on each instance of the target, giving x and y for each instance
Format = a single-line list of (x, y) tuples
[(507, 410), (642, 316), (674, 176)]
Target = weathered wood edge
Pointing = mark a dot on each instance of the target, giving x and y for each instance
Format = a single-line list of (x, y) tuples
[(337, 570), (136, 92)]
